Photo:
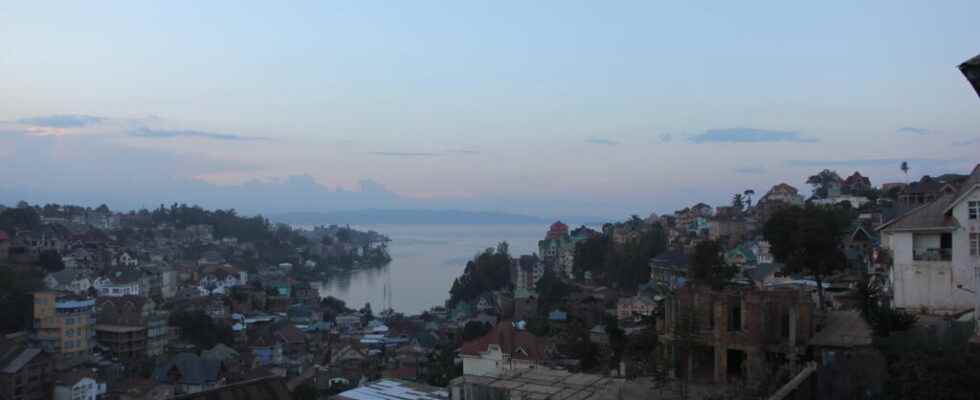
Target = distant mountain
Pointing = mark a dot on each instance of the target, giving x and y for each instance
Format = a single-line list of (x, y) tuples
[(415, 217)]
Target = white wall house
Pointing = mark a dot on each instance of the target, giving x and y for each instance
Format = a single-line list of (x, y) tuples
[(119, 284), (502, 349), (67, 280), (935, 252), (83, 388), (220, 281)]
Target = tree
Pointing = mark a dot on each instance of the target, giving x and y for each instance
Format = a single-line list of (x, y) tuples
[(306, 391), (822, 182), (200, 330), (617, 339), (475, 329), (12, 219), (708, 265), (905, 168), (748, 195), (738, 201), (551, 289), (50, 260), (809, 240)]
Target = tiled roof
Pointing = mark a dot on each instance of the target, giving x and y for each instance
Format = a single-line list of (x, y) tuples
[(518, 344)]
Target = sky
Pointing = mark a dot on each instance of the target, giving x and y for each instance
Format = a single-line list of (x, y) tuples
[(547, 108)]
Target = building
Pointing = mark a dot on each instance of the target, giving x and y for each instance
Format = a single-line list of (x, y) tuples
[(78, 385), (783, 193), (733, 334), (131, 327), (856, 183), (924, 191), (120, 282), (636, 306), (544, 383), (218, 280), (669, 268), (525, 273), (68, 281), (24, 371), (394, 389), (504, 348), (189, 373), (64, 325), (935, 250)]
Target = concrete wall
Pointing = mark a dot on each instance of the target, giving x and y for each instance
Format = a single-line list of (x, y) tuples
[(936, 286)]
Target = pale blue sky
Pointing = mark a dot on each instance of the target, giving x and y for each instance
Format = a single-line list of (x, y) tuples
[(548, 108)]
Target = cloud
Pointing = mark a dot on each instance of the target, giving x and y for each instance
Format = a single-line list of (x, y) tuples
[(967, 142), (748, 135), (752, 170), (602, 141), (61, 120), (464, 151), (666, 138), (403, 154), (911, 130), (149, 133)]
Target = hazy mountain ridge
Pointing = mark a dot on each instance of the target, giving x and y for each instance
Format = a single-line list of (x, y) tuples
[(415, 217)]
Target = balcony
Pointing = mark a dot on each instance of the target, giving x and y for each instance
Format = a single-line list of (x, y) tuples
[(934, 254)]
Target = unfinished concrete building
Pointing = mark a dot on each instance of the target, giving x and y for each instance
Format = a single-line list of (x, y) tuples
[(736, 334)]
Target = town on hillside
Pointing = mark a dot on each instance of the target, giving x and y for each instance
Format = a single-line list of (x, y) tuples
[(858, 291)]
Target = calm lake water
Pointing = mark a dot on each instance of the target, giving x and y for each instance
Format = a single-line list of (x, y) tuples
[(425, 259)]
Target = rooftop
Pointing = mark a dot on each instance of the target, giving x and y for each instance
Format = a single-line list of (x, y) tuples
[(394, 389), (543, 383)]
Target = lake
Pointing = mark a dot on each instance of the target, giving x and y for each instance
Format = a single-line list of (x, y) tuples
[(425, 259)]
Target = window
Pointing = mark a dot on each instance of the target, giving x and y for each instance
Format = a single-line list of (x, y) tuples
[(735, 315), (975, 244), (973, 209)]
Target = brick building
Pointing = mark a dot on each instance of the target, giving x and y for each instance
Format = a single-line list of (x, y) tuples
[(733, 334)]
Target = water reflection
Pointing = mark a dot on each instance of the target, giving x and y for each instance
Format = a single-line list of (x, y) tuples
[(425, 260)]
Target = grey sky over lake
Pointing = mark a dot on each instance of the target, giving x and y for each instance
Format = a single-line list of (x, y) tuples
[(545, 108)]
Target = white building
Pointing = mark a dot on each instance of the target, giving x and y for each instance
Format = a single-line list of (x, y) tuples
[(119, 283), (936, 253), (68, 280), (504, 348), (222, 279), (78, 386)]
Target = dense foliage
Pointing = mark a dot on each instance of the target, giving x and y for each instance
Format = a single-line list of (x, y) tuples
[(809, 240), (199, 329), (624, 265), (13, 219), (226, 223), (489, 270), (16, 287), (708, 265)]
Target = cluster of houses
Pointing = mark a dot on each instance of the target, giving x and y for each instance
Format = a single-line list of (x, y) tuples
[(104, 328), (918, 240)]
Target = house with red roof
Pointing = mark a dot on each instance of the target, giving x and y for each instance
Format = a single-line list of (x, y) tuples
[(504, 348)]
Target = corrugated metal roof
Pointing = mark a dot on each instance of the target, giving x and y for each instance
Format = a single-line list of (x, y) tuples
[(394, 389), (20, 360)]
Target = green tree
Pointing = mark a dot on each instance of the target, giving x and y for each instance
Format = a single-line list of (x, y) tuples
[(51, 261), (474, 330), (305, 391), (809, 240), (12, 219), (738, 202), (708, 265), (822, 182)]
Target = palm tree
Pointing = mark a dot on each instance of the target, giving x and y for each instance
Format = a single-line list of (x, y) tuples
[(905, 168), (748, 197)]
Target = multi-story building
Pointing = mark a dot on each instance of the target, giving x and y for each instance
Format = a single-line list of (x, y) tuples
[(736, 333), (936, 250), (78, 385), (120, 282), (25, 372), (64, 325), (636, 306), (131, 327)]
